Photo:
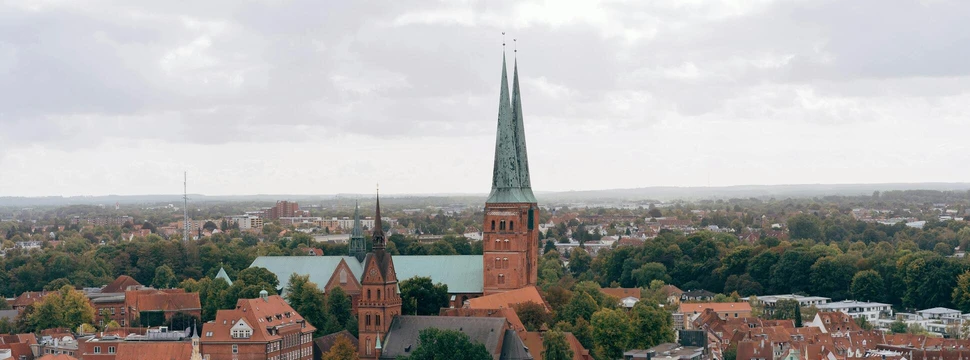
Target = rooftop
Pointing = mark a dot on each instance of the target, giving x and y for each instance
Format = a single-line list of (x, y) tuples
[(845, 304)]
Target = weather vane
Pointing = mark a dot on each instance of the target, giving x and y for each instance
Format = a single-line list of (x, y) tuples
[(503, 40), (515, 48)]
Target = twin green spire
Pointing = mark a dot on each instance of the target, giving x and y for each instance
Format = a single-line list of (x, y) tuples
[(510, 173)]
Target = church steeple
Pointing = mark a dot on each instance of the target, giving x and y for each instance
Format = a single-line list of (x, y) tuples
[(510, 171), (378, 231), (358, 248)]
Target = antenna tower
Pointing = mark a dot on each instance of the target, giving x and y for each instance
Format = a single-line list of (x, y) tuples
[(185, 206)]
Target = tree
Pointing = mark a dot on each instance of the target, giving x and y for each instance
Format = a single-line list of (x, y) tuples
[(209, 225), (649, 272), (832, 276), (67, 308), (961, 293), (556, 346), (731, 353), (550, 246), (164, 278), (798, 315), (56, 284), (611, 333), (579, 261), (533, 315), (651, 325), (437, 344), (307, 299), (259, 277), (803, 226), (420, 296), (342, 350), (868, 285), (182, 321), (863, 323), (581, 306), (898, 327), (111, 325), (339, 311), (785, 309)]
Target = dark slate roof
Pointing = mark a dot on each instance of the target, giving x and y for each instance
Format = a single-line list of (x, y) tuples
[(698, 293), (405, 329), (513, 348), (324, 343)]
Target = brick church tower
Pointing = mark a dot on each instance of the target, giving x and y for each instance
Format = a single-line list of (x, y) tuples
[(379, 301), (511, 229)]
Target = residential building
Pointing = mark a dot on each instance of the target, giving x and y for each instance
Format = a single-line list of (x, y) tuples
[(152, 307), (697, 295), (667, 351), (246, 222), (109, 301), (837, 323), (857, 309), (18, 346), (768, 302), (266, 328), (940, 313), (285, 208), (690, 311)]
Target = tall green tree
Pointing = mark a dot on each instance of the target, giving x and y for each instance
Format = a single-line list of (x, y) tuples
[(437, 344), (868, 285), (581, 306), (307, 299), (339, 312), (533, 315), (611, 333), (420, 296), (556, 346), (65, 308), (579, 261), (651, 325), (804, 226), (961, 292), (164, 278)]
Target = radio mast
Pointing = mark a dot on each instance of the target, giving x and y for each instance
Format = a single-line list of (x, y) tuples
[(185, 206)]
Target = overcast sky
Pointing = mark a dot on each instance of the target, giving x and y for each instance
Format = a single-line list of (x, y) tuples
[(323, 97)]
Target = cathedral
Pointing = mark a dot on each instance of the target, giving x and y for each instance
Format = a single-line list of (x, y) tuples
[(509, 261)]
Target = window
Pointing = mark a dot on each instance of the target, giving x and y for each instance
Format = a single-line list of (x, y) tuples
[(367, 320), (235, 349), (532, 219), (501, 279), (111, 349), (378, 294), (378, 320), (501, 225), (97, 349), (208, 334), (511, 225), (505, 263), (493, 225), (370, 348), (508, 246), (498, 263), (368, 294), (112, 311)]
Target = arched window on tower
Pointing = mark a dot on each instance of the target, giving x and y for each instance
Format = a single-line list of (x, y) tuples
[(501, 279), (367, 320), (508, 245), (378, 294), (377, 320), (368, 294), (498, 244), (498, 263), (370, 349), (501, 225), (493, 225), (505, 263), (511, 225)]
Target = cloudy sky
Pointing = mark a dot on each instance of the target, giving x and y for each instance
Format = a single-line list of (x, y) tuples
[(322, 97)]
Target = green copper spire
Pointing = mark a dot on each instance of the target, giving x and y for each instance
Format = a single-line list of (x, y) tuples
[(511, 164), (523, 155), (358, 248)]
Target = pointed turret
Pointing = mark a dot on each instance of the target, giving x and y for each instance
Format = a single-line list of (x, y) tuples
[(525, 180), (511, 165), (378, 232), (358, 247)]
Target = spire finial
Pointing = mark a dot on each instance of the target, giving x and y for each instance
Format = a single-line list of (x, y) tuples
[(515, 49), (503, 41)]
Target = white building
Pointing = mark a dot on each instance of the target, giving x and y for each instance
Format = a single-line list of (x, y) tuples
[(940, 313), (857, 309), (768, 301)]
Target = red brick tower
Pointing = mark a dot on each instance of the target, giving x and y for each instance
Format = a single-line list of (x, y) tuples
[(379, 301), (511, 237)]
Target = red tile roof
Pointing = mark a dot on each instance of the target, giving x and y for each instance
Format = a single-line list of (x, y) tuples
[(122, 283), (170, 300), (57, 357), (135, 350), (621, 293), (29, 298), (690, 308), (507, 299), (258, 314)]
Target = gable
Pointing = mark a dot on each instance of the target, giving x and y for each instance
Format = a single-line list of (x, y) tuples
[(343, 277)]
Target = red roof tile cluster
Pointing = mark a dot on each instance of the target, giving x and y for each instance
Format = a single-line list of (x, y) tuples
[(169, 300), (168, 350), (507, 299), (57, 357), (28, 298), (122, 283), (261, 315)]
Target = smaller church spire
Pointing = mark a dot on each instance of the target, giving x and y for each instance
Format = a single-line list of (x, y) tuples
[(378, 233)]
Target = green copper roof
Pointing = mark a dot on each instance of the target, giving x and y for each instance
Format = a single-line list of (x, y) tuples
[(222, 275), (510, 172), (462, 273), (357, 248)]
